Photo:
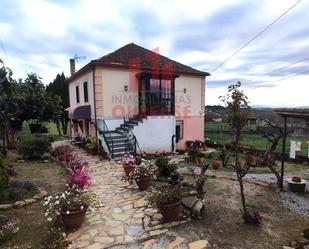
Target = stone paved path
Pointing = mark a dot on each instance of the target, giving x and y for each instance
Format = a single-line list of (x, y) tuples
[(125, 216)]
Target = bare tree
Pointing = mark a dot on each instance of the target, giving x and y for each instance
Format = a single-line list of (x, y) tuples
[(238, 109)]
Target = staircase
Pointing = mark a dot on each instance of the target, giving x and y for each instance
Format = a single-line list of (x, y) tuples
[(121, 140)]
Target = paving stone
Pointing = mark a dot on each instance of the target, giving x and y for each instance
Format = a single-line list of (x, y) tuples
[(117, 210), (95, 246), (199, 244), (75, 235), (104, 240), (82, 244), (148, 243), (116, 230), (132, 230), (176, 242), (121, 217), (128, 238), (157, 232), (92, 232)]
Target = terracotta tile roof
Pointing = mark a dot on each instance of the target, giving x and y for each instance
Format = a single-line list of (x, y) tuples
[(129, 54)]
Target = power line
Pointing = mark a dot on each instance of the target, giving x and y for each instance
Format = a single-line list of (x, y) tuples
[(277, 69), (256, 36), (284, 78)]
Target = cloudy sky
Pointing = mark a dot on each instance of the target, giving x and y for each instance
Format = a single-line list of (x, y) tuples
[(40, 36)]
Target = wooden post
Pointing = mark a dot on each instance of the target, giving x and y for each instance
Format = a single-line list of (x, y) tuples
[(283, 151)]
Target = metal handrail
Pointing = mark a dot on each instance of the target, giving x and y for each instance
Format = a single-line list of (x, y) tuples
[(104, 132), (130, 134)]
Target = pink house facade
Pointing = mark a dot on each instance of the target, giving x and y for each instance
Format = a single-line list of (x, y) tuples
[(136, 100)]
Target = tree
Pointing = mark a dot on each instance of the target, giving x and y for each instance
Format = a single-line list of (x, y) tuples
[(59, 88), (238, 112)]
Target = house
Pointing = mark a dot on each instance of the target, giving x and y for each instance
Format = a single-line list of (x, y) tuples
[(136, 99)]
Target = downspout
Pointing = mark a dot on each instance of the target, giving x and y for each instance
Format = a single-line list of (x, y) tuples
[(94, 104), (173, 143)]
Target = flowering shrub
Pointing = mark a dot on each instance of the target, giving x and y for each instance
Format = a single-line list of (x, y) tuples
[(78, 162), (166, 194), (128, 159), (145, 169), (79, 177), (73, 199)]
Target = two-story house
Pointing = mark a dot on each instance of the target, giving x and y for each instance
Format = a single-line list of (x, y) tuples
[(134, 98)]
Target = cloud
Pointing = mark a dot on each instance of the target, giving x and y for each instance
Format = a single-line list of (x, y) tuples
[(41, 35)]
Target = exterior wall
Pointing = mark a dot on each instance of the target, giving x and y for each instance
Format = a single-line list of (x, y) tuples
[(73, 103), (155, 134), (189, 107), (117, 102)]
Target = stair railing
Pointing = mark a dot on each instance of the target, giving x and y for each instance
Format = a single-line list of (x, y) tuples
[(131, 141), (107, 136)]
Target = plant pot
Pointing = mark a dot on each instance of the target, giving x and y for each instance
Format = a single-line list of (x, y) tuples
[(35, 128), (170, 212), (73, 220), (297, 187), (128, 168), (215, 163), (143, 183), (16, 125)]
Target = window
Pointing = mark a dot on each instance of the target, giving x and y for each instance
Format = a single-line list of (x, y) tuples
[(77, 94), (86, 91), (179, 130)]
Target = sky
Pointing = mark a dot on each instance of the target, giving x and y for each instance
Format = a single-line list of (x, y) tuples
[(40, 36)]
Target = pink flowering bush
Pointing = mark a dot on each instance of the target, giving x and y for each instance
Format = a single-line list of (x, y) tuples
[(79, 177), (78, 161), (128, 159)]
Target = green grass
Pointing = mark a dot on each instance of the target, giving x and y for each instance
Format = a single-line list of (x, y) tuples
[(251, 140)]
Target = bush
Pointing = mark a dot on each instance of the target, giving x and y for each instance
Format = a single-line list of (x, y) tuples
[(4, 178), (32, 147), (165, 167)]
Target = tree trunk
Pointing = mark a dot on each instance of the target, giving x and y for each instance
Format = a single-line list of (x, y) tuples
[(58, 128)]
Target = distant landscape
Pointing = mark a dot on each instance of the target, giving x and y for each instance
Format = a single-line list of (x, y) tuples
[(218, 131)]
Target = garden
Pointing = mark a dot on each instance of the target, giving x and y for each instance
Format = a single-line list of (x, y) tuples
[(57, 193)]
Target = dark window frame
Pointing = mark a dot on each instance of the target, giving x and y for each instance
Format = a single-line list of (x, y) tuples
[(77, 94), (86, 94)]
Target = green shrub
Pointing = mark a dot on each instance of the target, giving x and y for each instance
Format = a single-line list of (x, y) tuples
[(33, 147), (4, 178), (165, 168)]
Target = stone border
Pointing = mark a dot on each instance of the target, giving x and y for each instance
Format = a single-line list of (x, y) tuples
[(18, 204)]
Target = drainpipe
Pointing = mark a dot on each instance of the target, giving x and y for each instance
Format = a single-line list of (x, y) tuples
[(173, 143), (94, 104)]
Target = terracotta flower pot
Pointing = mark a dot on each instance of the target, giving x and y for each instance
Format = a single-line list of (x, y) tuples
[(170, 212), (215, 163), (143, 183), (73, 220), (128, 168)]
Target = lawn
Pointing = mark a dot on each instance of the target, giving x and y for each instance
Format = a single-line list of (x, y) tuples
[(33, 226), (220, 134)]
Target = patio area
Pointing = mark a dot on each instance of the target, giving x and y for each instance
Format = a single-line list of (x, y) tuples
[(124, 216)]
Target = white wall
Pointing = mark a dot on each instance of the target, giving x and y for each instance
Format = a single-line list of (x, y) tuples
[(155, 133), (79, 82), (113, 123)]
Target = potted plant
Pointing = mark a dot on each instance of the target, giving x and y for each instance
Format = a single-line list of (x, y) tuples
[(195, 156), (16, 125), (91, 145), (128, 162), (35, 127), (215, 160), (167, 198), (142, 174), (296, 184), (70, 205)]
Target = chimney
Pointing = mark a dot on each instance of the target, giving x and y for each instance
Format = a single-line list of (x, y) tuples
[(72, 66)]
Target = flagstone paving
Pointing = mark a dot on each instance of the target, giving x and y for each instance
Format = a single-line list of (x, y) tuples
[(125, 215)]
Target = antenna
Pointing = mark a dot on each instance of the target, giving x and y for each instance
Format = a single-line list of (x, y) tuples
[(76, 57)]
